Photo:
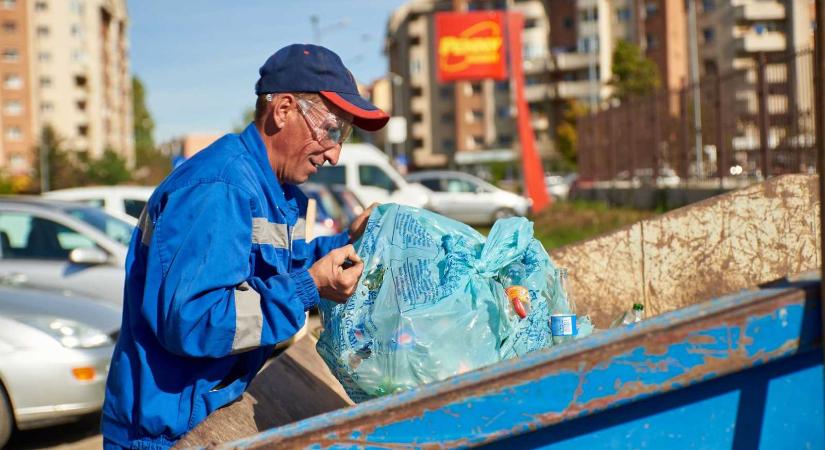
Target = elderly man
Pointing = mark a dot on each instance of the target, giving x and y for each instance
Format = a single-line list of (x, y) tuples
[(219, 270)]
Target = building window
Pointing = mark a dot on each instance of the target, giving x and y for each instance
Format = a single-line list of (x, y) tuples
[(531, 23), (80, 80), (415, 40), (415, 66), (11, 55), (9, 4), (445, 92), (708, 5), (12, 81), (708, 34), (77, 31), (83, 130), (46, 107), (476, 87), (77, 7), (505, 140), (42, 31), (41, 5), (448, 117), (78, 56), (589, 14), (81, 105), (568, 22), (447, 144), (652, 8), (14, 133), (13, 107), (650, 40), (623, 14), (503, 112), (45, 82), (9, 26)]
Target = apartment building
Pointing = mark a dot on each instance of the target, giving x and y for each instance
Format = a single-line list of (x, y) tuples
[(584, 33), (65, 64), (739, 35), (463, 121)]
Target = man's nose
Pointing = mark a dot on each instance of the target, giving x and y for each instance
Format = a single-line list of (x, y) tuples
[(333, 154)]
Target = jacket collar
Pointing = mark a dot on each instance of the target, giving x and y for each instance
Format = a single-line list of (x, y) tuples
[(255, 145)]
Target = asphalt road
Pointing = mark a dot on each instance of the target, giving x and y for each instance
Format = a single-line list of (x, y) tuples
[(81, 435)]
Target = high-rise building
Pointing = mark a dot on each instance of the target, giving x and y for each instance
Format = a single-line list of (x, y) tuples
[(584, 34), (477, 120), (65, 64), (741, 35)]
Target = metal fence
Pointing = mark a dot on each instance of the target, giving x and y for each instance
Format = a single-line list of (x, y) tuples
[(755, 122)]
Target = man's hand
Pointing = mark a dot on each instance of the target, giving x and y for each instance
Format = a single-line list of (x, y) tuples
[(335, 282), (356, 228)]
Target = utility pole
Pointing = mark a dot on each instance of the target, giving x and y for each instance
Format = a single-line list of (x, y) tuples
[(819, 110), (316, 31), (693, 60), (44, 164), (460, 101)]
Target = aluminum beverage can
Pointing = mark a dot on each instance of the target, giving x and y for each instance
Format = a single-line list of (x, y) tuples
[(563, 327)]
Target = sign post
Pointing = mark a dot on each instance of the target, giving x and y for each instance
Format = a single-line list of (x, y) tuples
[(471, 46)]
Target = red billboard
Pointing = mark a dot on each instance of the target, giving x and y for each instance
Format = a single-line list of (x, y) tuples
[(470, 45)]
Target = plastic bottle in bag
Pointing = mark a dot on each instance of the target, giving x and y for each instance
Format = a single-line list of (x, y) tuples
[(633, 315), (514, 280)]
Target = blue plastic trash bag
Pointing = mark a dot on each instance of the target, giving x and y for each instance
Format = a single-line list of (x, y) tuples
[(431, 302)]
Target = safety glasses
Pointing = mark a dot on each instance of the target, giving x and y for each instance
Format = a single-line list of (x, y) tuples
[(327, 128)]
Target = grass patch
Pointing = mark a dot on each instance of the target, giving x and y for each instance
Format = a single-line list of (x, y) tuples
[(568, 222)]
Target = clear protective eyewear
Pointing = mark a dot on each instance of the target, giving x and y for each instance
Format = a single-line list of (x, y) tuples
[(327, 128)]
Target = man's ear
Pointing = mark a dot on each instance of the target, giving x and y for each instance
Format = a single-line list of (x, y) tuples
[(281, 106)]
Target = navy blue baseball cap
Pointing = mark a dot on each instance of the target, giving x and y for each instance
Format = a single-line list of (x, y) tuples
[(312, 68)]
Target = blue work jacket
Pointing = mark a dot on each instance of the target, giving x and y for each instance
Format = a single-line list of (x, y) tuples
[(216, 276)]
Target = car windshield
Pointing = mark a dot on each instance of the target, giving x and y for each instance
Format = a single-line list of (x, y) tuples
[(115, 228)]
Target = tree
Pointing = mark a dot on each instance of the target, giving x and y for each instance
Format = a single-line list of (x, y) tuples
[(151, 164), (65, 169), (633, 73), (566, 135), (109, 169)]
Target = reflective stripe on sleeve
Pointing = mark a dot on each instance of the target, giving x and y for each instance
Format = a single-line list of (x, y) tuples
[(146, 227), (266, 232), (249, 319)]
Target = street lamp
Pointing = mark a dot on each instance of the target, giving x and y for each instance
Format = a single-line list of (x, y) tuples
[(317, 30)]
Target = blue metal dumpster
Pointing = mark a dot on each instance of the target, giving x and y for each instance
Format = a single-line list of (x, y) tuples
[(742, 371)]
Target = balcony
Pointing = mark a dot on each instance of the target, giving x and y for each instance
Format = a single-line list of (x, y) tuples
[(764, 10), (418, 104), (572, 61), (535, 93), (576, 90), (768, 41), (535, 65)]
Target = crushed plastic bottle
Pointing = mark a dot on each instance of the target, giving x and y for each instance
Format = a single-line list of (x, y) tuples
[(631, 316)]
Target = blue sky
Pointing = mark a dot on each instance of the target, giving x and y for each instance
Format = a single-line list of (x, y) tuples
[(199, 59)]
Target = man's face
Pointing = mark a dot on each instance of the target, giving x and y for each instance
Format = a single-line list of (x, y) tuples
[(306, 144)]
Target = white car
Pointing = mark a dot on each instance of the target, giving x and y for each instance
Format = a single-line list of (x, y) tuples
[(559, 185), (123, 202), (469, 199), (63, 246), (367, 172), (55, 351)]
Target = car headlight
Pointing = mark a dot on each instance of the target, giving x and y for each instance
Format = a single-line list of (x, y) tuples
[(69, 333)]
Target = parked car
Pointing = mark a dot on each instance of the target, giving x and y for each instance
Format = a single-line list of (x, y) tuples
[(123, 202), (559, 185), (55, 352), (350, 205), (469, 199), (63, 245), (367, 172), (644, 177), (328, 214)]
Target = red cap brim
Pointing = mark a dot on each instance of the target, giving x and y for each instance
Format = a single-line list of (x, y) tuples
[(367, 119)]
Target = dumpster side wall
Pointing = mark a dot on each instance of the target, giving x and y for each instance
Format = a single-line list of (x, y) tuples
[(692, 254)]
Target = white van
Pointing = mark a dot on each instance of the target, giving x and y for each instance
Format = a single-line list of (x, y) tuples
[(123, 202), (367, 172)]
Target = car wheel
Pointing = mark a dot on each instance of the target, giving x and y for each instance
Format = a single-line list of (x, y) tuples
[(6, 418), (503, 213)]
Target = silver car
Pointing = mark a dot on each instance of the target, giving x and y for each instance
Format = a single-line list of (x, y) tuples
[(63, 245), (469, 199), (55, 351)]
